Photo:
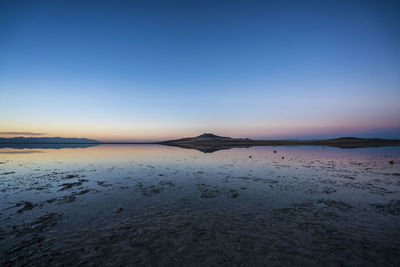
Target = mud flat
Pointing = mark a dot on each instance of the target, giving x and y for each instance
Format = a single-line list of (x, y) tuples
[(165, 206)]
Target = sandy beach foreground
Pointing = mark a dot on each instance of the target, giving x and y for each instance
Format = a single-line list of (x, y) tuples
[(152, 205)]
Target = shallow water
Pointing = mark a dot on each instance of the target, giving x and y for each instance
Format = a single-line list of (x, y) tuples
[(159, 205)]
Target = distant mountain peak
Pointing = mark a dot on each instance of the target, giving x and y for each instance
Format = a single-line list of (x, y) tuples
[(209, 135)]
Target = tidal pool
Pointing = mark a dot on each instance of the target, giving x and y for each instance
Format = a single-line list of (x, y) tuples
[(155, 205)]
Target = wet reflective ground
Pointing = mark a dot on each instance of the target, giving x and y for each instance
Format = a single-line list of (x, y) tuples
[(164, 206)]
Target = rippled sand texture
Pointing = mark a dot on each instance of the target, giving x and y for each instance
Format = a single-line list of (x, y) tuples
[(164, 206)]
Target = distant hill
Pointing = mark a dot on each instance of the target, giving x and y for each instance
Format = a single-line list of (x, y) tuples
[(208, 142), (47, 140), (210, 135), (205, 139)]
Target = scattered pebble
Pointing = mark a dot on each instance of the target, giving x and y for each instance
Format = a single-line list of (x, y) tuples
[(27, 206), (118, 210), (233, 193), (102, 183)]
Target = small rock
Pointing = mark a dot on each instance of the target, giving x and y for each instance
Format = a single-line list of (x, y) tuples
[(391, 162), (233, 193), (118, 210), (102, 183), (27, 206)]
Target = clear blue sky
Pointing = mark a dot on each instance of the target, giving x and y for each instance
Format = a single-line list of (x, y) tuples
[(145, 70)]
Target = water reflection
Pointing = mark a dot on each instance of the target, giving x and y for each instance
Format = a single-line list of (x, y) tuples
[(43, 146), (172, 206)]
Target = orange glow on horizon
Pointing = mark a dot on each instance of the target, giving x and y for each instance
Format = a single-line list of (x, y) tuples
[(250, 130)]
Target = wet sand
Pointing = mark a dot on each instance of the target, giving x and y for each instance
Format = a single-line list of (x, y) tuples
[(162, 206)]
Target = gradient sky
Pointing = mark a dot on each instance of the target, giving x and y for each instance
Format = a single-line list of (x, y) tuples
[(152, 70)]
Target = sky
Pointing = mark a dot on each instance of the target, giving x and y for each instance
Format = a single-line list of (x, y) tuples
[(155, 70)]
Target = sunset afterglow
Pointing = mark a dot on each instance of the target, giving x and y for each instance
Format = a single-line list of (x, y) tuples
[(141, 71)]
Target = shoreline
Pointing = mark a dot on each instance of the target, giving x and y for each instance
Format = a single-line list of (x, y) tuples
[(215, 144)]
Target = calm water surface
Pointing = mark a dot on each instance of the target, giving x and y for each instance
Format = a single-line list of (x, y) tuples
[(165, 206)]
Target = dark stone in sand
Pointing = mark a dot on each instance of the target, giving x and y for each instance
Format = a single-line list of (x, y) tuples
[(66, 199), (71, 176), (84, 191), (118, 210), (233, 193), (392, 207), (27, 206), (206, 192), (40, 224), (101, 183), (70, 185), (167, 183), (149, 190)]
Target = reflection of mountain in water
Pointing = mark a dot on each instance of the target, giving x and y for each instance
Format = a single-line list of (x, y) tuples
[(209, 143), (17, 151), (44, 146), (46, 142)]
